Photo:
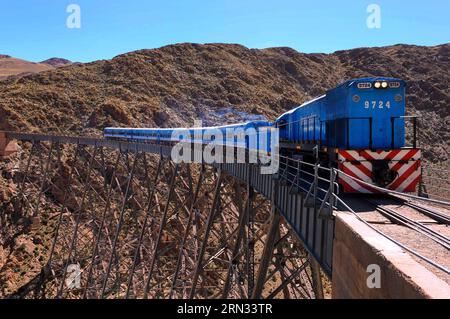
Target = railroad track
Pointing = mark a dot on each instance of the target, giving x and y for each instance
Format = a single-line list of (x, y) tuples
[(439, 217), (398, 218)]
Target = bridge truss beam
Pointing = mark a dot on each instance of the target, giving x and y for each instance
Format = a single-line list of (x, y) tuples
[(125, 223)]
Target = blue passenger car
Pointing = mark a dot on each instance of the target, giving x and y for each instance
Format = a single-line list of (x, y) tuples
[(251, 134)]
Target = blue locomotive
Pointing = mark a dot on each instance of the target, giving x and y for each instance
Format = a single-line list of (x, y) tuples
[(358, 127), (354, 115)]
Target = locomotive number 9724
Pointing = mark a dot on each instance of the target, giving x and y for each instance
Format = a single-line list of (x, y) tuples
[(377, 104)]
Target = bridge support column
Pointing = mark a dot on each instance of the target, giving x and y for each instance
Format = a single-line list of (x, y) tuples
[(209, 224), (156, 249), (267, 254), (187, 230), (7, 146), (134, 227), (78, 213), (316, 277), (237, 246)]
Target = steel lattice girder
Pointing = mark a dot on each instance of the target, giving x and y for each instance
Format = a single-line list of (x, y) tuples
[(138, 226)]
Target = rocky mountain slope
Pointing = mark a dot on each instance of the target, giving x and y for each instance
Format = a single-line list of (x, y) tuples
[(218, 83), (57, 62)]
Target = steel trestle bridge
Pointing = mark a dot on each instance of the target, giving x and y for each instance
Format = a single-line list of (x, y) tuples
[(134, 224)]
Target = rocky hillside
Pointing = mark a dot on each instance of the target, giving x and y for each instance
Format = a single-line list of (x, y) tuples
[(57, 62), (176, 84)]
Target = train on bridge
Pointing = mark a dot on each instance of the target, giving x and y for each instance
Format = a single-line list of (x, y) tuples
[(357, 127)]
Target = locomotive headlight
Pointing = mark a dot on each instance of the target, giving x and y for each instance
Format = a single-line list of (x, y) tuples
[(377, 85), (384, 85)]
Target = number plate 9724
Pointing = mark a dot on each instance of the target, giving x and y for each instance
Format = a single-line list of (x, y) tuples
[(377, 104)]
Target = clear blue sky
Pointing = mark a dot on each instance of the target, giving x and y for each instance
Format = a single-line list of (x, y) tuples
[(36, 29)]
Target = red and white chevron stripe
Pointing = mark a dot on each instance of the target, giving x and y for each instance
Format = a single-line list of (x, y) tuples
[(358, 165)]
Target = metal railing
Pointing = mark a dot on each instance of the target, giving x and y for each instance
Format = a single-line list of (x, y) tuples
[(306, 178), (413, 118)]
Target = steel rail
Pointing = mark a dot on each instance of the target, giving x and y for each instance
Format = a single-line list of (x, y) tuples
[(388, 191), (437, 216), (412, 251), (412, 224)]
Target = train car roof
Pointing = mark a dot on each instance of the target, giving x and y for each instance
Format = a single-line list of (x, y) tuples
[(190, 128), (235, 125), (298, 107), (347, 83)]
